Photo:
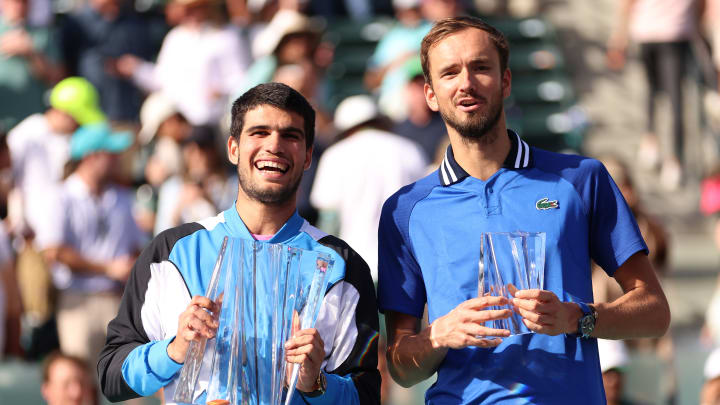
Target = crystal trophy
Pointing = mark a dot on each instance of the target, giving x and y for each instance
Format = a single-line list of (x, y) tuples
[(262, 293), (510, 261)]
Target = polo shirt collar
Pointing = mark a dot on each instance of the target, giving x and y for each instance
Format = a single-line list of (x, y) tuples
[(519, 157)]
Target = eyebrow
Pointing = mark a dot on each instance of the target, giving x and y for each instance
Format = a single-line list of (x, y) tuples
[(475, 60), (282, 129)]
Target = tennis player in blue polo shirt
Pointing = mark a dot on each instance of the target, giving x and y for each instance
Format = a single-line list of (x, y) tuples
[(492, 180)]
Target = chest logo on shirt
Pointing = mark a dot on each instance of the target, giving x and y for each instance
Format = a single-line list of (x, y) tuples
[(546, 204)]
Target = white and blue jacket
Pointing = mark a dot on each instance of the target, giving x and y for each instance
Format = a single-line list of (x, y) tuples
[(178, 265)]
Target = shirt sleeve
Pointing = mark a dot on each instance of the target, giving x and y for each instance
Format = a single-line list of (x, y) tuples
[(132, 363), (350, 328), (400, 283), (614, 233)]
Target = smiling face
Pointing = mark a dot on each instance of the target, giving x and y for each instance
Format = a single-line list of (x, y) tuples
[(270, 154), (468, 85)]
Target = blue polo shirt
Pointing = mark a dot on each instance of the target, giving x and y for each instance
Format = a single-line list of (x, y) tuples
[(429, 247)]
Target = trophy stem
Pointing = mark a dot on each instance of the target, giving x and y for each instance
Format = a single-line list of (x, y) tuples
[(194, 356)]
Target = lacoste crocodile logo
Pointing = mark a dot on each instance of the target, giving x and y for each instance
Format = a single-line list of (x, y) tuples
[(545, 204)]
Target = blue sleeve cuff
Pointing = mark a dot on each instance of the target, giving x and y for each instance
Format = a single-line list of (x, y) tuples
[(148, 367), (160, 362), (339, 390)]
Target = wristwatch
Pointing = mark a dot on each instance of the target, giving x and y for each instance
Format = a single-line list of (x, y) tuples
[(321, 383), (586, 324)]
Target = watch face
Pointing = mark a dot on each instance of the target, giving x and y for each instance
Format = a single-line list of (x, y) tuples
[(587, 324)]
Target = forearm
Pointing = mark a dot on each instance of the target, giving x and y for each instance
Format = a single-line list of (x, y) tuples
[(75, 260), (412, 358), (619, 35), (640, 312), (44, 69)]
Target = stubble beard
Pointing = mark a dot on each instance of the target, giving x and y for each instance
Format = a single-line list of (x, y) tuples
[(477, 125), (267, 196)]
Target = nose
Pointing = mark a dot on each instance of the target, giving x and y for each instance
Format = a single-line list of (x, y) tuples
[(466, 81), (75, 391), (272, 142)]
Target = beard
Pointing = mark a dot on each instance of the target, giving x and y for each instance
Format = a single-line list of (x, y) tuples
[(267, 196), (477, 124)]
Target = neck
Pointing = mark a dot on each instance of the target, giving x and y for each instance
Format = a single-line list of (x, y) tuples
[(261, 218), (482, 157), (93, 183)]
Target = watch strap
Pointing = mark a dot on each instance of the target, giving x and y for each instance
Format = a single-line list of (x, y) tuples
[(321, 383)]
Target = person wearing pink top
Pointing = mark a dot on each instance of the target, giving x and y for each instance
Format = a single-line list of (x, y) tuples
[(663, 29)]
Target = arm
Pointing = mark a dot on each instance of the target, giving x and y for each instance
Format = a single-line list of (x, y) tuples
[(135, 360), (642, 311), (18, 42), (414, 355), (618, 41), (118, 268)]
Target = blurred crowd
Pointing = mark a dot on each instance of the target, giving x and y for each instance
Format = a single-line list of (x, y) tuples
[(114, 122)]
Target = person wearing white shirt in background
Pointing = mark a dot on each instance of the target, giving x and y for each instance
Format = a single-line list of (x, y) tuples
[(91, 241), (199, 65), (358, 173), (40, 147)]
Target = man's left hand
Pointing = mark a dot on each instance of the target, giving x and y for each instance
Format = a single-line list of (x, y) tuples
[(544, 313), (306, 348)]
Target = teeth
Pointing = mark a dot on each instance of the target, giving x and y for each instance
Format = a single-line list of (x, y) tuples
[(267, 164)]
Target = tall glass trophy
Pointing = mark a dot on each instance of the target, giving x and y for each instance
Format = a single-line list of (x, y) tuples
[(263, 290), (510, 261)]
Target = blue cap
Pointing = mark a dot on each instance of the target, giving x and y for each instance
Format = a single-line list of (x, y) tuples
[(98, 137)]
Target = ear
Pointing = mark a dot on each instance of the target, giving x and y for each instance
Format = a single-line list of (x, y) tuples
[(308, 157), (507, 83), (430, 98), (233, 150)]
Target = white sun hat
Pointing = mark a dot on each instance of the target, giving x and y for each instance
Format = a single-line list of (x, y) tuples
[(354, 111)]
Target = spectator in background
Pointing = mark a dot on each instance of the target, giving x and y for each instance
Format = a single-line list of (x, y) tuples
[(10, 302), (29, 63), (384, 72), (360, 10), (91, 240), (93, 39), (40, 147), (290, 38), (201, 63), (201, 189), (613, 360), (422, 124), (359, 172), (664, 29), (66, 381), (163, 130)]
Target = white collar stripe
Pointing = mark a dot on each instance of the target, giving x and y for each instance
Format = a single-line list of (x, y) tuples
[(518, 157), (449, 168), (526, 147), (446, 181)]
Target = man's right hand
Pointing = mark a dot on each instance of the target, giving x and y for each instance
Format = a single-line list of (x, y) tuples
[(198, 321), (463, 326)]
